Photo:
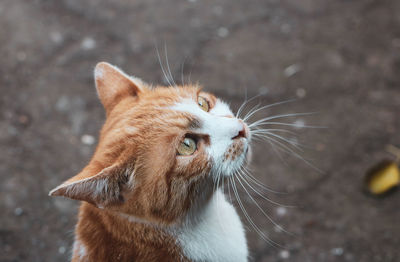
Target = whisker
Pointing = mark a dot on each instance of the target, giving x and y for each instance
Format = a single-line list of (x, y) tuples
[(242, 105), (297, 145), (254, 108), (190, 74), (229, 190), (295, 154), (277, 148), (161, 65), (166, 61), (245, 103), (256, 130), (276, 151), (261, 195), (286, 124), (182, 71), (280, 116), (268, 106), (292, 143), (279, 144), (255, 227), (262, 211), (260, 184)]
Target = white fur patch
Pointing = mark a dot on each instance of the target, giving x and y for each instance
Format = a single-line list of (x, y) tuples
[(221, 129), (131, 130), (134, 219), (217, 235), (221, 109), (98, 73), (79, 249)]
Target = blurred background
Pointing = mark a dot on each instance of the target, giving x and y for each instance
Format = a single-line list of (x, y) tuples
[(338, 58)]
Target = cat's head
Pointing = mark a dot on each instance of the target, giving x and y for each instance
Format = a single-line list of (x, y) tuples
[(160, 151)]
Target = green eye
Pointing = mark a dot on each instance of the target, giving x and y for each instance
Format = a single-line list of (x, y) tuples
[(187, 147), (203, 103)]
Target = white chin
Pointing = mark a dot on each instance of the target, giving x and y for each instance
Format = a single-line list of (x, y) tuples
[(231, 167)]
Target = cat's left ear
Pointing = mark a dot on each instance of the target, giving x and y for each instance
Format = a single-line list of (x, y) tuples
[(113, 85), (103, 189)]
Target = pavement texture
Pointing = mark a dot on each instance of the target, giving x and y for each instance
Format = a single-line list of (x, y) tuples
[(339, 58)]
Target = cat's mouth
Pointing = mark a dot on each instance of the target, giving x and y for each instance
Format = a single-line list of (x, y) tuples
[(238, 153)]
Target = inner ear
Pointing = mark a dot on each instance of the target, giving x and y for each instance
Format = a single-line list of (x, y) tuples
[(113, 85), (102, 190)]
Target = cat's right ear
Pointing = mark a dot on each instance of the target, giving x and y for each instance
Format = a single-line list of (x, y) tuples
[(113, 85)]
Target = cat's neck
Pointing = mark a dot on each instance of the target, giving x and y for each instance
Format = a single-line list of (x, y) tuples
[(97, 229), (124, 226)]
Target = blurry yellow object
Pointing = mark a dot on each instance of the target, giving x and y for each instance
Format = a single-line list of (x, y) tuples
[(383, 178)]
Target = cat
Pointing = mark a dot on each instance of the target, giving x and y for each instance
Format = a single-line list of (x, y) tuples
[(149, 192)]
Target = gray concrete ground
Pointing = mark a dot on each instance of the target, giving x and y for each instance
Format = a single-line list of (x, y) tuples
[(340, 58)]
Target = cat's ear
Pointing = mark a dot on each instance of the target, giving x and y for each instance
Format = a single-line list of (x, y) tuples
[(102, 190), (113, 84)]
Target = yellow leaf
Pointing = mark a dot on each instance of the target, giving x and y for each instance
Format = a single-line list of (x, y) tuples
[(383, 177)]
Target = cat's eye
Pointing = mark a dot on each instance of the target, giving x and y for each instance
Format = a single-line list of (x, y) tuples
[(203, 103), (187, 147)]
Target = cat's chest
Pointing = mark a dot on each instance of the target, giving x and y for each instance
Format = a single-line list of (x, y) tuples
[(217, 236)]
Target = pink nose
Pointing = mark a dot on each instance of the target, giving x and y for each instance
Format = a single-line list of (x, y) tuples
[(243, 132)]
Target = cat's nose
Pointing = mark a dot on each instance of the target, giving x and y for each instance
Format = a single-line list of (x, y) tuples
[(243, 131)]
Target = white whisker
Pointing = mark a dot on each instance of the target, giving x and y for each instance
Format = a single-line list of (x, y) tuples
[(260, 184), (285, 124), (162, 67), (292, 143), (276, 151), (287, 149), (243, 177), (255, 227), (244, 104), (254, 108), (166, 61), (256, 130), (229, 190), (182, 71), (268, 106), (262, 211), (279, 116)]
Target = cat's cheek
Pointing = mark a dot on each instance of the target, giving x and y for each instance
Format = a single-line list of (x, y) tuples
[(183, 162), (193, 165)]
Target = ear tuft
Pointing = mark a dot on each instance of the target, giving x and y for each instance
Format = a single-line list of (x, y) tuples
[(99, 71), (113, 85)]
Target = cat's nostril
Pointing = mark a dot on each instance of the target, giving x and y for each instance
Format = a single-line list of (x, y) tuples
[(242, 133)]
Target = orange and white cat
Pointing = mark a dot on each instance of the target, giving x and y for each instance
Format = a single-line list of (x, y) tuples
[(149, 190)]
